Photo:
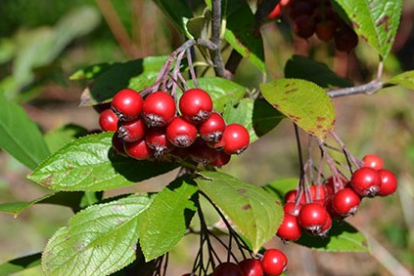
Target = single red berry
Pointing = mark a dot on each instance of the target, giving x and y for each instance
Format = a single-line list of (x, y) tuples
[(325, 30), (159, 109), (274, 262), (373, 161), (236, 139), (138, 150), (251, 267), (228, 269), (345, 39), (212, 129), (291, 196), (366, 182), (276, 12), (388, 182), (181, 132), (334, 184), (326, 227), (304, 26), (156, 139), (196, 105), (312, 217), (222, 159), (317, 192), (290, 229), (292, 208), (345, 202), (133, 130), (108, 120), (118, 144), (127, 104), (200, 152)]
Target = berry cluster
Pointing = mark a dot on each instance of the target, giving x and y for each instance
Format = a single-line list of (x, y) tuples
[(151, 128), (313, 209), (318, 17)]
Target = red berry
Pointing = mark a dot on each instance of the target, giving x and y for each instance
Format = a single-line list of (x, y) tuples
[(304, 26), (333, 184), (222, 159), (236, 139), (325, 30), (292, 208), (251, 267), (326, 227), (312, 217), (138, 150), (228, 269), (317, 192), (127, 104), (276, 12), (212, 129), (159, 109), (373, 161), (156, 139), (345, 202), (118, 144), (366, 182), (181, 132), (290, 229), (388, 182), (200, 152), (291, 196), (108, 120), (274, 262), (196, 105), (133, 130), (345, 39)]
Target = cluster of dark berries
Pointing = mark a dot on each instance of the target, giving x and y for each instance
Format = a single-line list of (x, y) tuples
[(313, 209), (151, 128), (318, 17)]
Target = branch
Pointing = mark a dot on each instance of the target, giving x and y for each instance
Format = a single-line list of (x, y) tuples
[(369, 88), (215, 38)]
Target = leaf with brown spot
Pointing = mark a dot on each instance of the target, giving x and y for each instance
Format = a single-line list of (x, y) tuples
[(309, 107), (405, 79)]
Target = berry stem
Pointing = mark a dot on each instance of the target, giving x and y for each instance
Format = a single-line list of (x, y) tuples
[(348, 154), (192, 71)]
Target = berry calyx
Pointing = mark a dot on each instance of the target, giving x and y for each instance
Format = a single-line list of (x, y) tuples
[(228, 269), (345, 202), (373, 161), (366, 182), (133, 130), (212, 129), (156, 139), (108, 121), (159, 109), (290, 229), (181, 133), (388, 182), (236, 139), (312, 217), (127, 104), (251, 267), (196, 105), (274, 262)]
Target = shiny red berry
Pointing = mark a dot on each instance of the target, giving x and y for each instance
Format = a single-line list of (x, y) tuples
[(345, 202), (291, 196), (196, 105), (228, 269), (138, 150), (108, 120), (159, 109), (133, 130), (127, 104), (334, 184), (292, 208), (388, 182), (317, 192), (200, 152), (222, 159), (212, 129), (181, 132), (236, 139), (156, 139), (274, 262), (251, 267), (366, 182), (312, 217), (290, 229), (373, 161)]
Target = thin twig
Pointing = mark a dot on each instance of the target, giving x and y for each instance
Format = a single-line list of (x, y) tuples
[(215, 38), (369, 88)]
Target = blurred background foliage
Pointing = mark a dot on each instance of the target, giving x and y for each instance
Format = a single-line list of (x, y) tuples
[(43, 42)]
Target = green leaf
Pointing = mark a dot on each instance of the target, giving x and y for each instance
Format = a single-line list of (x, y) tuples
[(20, 136), (342, 237), (91, 72), (257, 116), (20, 264), (243, 35), (197, 27), (220, 90), (252, 210), (376, 22), (305, 103), (281, 186), (405, 79), (136, 74), (57, 138), (166, 220), (90, 164), (298, 67), (98, 240), (177, 11)]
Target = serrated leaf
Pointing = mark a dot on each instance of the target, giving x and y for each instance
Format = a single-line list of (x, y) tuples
[(375, 21), (304, 102), (405, 79), (342, 237), (251, 209), (57, 138), (20, 264), (298, 67), (97, 241), (90, 164), (177, 11), (243, 35), (167, 219), (256, 115), (220, 90), (281, 186), (20, 136), (136, 74)]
